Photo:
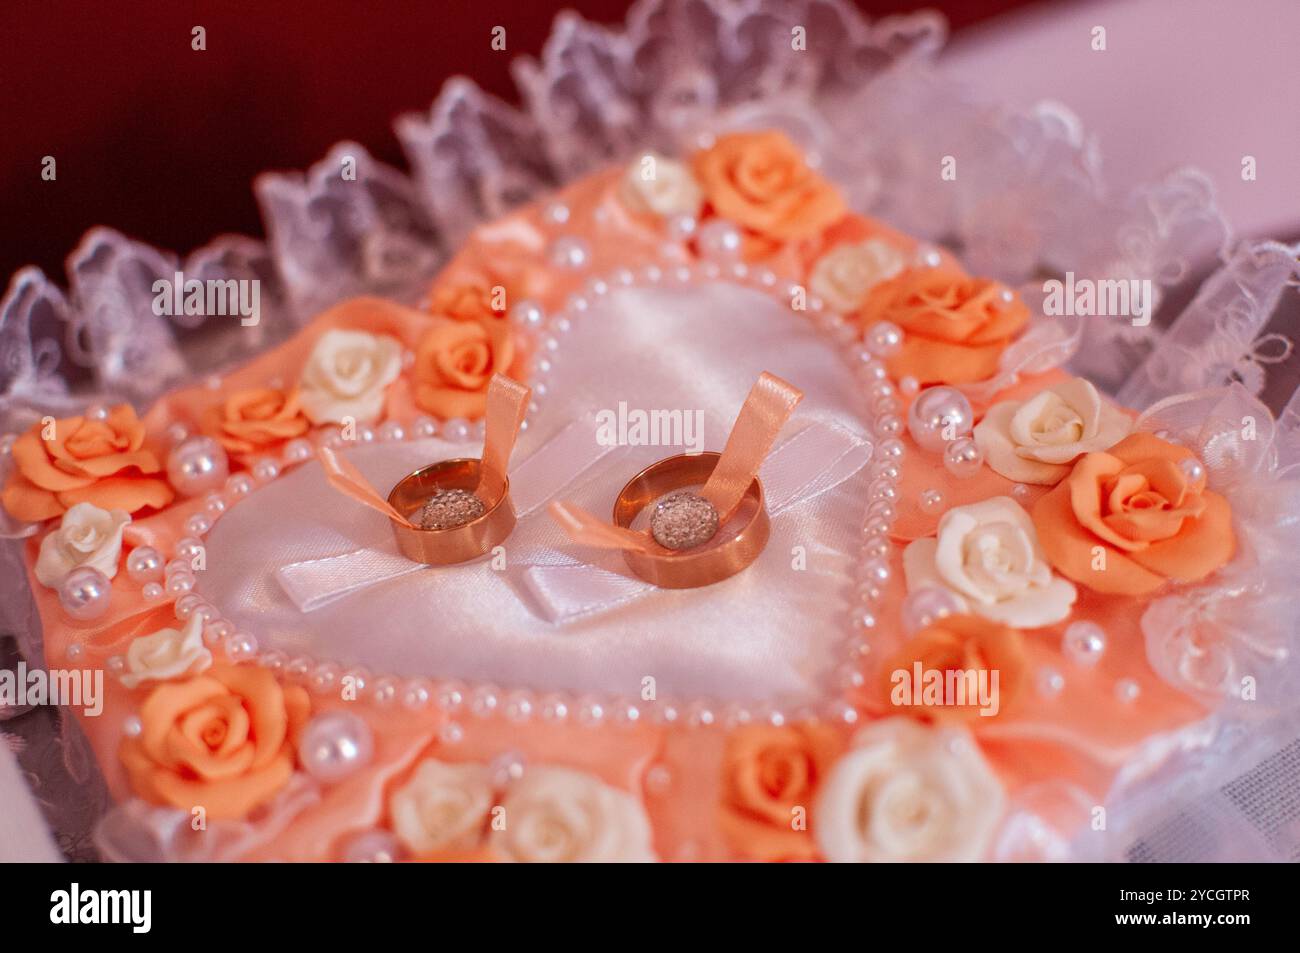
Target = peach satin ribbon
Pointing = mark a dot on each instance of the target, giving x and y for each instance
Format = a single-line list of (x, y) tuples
[(769, 405)]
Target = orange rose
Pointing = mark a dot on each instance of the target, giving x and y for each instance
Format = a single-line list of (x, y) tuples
[(220, 741), (769, 774), (760, 181), (1126, 520), (257, 419), (957, 643), (455, 361), (470, 301), (954, 328), (84, 461)]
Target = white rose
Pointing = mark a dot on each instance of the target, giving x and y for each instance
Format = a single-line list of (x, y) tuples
[(843, 276), (168, 653), (908, 792), (988, 556), (1034, 441), (88, 536), (346, 376), (442, 807), (559, 815), (658, 186)]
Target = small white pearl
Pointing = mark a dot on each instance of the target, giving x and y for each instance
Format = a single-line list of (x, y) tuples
[(1127, 690), (570, 252), (1083, 642), (1049, 681)]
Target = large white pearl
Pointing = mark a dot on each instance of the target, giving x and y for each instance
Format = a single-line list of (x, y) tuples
[(937, 414), (334, 745), (926, 605), (85, 593), (196, 466), (144, 564)]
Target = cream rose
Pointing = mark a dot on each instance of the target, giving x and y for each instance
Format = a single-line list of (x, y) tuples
[(908, 792), (88, 536), (560, 815), (665, 188), (442, 807), (168, 653), (346, 376), (988, 556), (843, 276), (1034, 441)]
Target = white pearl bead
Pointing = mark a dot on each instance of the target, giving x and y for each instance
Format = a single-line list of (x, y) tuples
[(84, 593), (144, 564), (937, 415), (963, 458), (240, 646), (371, 847), (570, 252), (1049, 681), (456, 430), (681, 227), (335, 745), (720, 241), (423, 428), (196, 466), (1083, 642), (1193, 469), (297, 450), (884, 339)]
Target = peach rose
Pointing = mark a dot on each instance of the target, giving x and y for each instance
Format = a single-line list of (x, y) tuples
[(957, 643), (256, 420), (454, 362), (770, 778), (1126, 520), (220, 741), (79, 460), (955, 328), (466, 301), (759, 180)]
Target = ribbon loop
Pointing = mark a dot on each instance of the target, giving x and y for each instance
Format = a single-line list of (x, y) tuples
[(769, 405), (507, 401)]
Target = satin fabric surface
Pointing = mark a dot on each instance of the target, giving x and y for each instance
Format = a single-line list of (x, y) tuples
[(771, 633)]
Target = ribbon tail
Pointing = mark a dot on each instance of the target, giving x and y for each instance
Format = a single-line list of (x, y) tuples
[(343, 475), (568, 592), (581, 527), (315, 583)]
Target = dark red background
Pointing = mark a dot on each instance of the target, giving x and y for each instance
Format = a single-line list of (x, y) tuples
[(162, 142)]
